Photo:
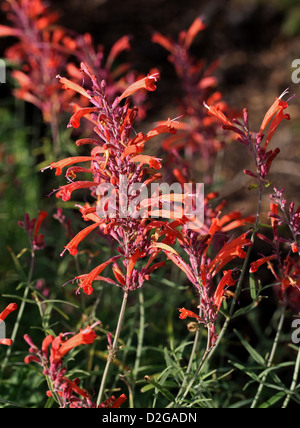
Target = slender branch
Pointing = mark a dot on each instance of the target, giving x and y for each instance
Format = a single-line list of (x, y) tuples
[(21, 310), (140, 335), (114, 349), (294, 381), (271, 358), (197, 373)]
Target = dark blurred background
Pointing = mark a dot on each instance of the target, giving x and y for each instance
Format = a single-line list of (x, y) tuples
[(255, 42)]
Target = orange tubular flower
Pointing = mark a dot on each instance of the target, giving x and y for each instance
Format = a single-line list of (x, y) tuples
[(41, 218), (276, 107), (8, 31), (280, 116), (229, 252), (150, 160), (184, 313), (197, 26), (215, 111), (120, 45), (276, 110), (227, 280), (60, 348), (73, 244), (164, 41), (258, 263), (234, 220), (68, 84), (4, 314), (145, 83), (67, 162), (119, 401), (65, 192), (86, 281)]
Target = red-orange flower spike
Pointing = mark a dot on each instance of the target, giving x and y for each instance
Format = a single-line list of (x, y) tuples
[(145, 83), (184, 313)]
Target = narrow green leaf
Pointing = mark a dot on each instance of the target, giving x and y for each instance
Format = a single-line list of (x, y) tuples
[(254, 354), (273, 400), (253, 291), (164, 391)]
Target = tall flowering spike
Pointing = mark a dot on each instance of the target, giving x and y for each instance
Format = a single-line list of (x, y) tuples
[(117, 164)]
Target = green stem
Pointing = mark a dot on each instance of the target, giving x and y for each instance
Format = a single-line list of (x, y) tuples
[(21, 310), (114, 349), (271, 358), (203, 360), (140, 335), (294, 381)]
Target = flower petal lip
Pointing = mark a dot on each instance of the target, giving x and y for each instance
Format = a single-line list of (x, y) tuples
[(8, 310)]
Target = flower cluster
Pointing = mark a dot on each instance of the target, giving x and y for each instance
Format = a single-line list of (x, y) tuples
[(284, 261), (32, 227), (46, 49), (50, 357), (198, 135), (202, 270), (116, 160), (258, 145)]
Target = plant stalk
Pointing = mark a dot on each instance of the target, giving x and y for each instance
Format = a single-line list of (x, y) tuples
[(113, 350)]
